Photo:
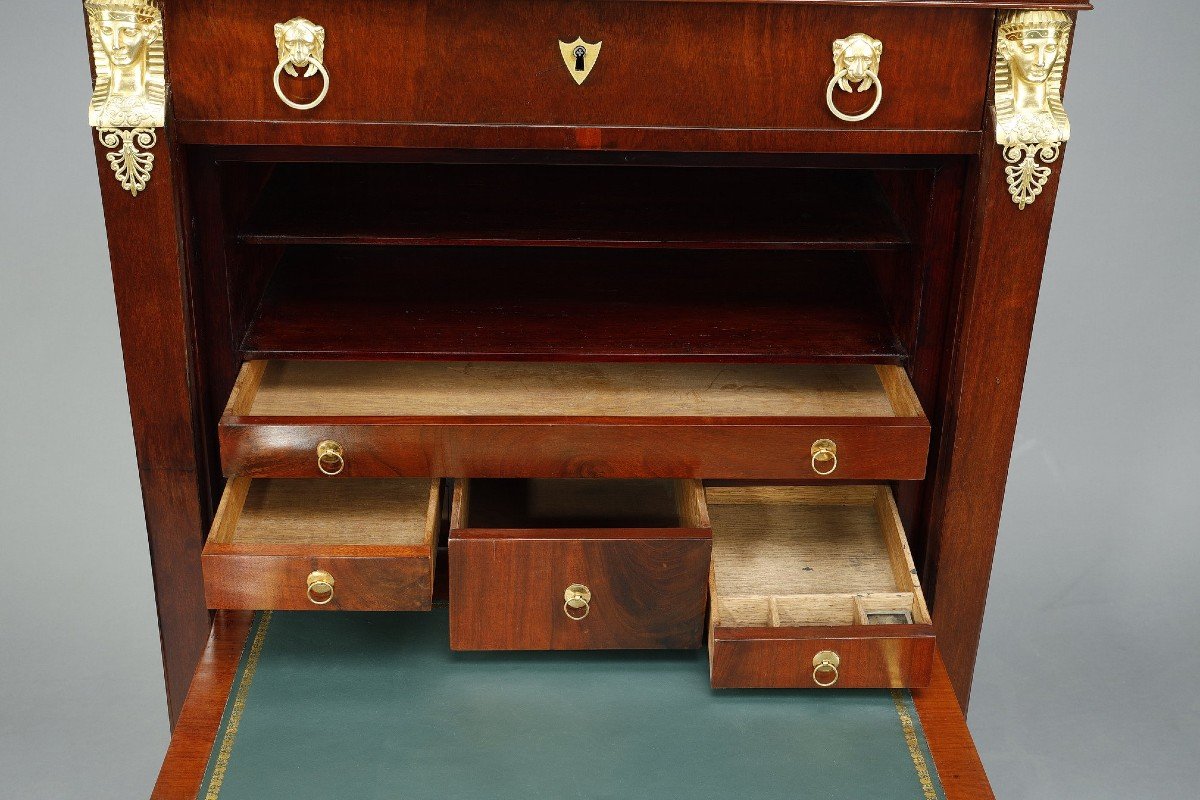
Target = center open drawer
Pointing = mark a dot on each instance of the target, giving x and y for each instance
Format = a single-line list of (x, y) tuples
[(361, 545), (814, 586), (578, 564), (299, 418)]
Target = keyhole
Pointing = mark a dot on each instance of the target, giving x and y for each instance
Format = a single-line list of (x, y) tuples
[(580, 52)]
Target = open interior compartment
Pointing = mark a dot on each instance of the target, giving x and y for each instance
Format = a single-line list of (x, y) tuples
[(342, 391), (792, 556), (428, 303), (572, 205), (539, 503), (561, 256), (391, 512)]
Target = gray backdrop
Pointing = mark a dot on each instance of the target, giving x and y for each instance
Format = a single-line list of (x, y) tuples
[(1091, 647)]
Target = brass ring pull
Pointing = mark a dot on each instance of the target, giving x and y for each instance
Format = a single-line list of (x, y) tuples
[(577, 597), (320, 587), (837, 112), (301, 46), (824, 450), (826, 663), (329, 458), (855, 61)]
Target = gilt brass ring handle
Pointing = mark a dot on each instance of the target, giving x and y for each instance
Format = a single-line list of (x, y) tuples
[(824, 451), (855, 61), (329, 458), (301, 46), (320, 587), (825, 668), (577, 601)]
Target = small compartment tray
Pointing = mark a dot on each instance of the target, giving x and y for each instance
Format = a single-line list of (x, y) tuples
[(814, 586)]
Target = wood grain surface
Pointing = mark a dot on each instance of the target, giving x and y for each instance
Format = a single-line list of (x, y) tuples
[(578, 304), (383, 433), (573, 205), (145, 235), (377, 538), (646, 563), (1005, 255), (662, 64)]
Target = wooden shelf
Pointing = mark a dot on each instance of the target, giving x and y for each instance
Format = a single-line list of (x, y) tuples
[(572, 305), (573, 206)]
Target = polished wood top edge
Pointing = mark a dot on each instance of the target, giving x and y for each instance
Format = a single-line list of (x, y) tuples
[(511, 136), (581, 422), (339, 551), (195, 732), (958, 764), (893, 358), (616, 534)]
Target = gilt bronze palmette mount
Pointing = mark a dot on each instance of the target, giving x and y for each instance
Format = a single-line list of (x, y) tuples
[(129, 98), (1031, 124)]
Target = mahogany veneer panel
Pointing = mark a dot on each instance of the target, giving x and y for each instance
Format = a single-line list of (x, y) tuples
[(378, 538), (573, 205), (648, 581), (500, 419), (699, 65), (799, 570), (534, 304)]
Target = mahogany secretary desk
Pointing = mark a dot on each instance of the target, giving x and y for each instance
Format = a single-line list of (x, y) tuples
[(614, 324)]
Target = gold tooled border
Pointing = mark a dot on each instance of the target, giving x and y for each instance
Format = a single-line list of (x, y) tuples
[(239, 705), (914, 746)]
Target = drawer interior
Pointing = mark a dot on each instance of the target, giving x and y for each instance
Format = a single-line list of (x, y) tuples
[(789, 556), (537, 503), (323, 513), (301, 388), (322, 544)]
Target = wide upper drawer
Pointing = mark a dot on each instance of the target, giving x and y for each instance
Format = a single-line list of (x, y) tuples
[(543, 419), (363, 545), (738, 65)]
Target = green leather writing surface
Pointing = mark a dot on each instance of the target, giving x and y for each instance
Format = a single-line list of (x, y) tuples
[(363, 706)]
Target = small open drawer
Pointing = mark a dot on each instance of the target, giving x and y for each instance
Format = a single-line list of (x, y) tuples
[(578, 564), (814, 586), (359, 545)]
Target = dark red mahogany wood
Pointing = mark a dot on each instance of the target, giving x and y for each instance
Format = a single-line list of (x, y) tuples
[(872, 656), (144, 240), (574, 206), (551, 304), (710, 81), (1006, 251), (695, 65)]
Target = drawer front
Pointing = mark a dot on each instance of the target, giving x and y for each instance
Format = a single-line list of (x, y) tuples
[(248, 581), (849, 422), (897, 657), (878, 450), (323, 545), (659, 64), (508, 589)]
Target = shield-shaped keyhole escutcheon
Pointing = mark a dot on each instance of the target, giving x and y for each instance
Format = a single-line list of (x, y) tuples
[(580, 57)]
